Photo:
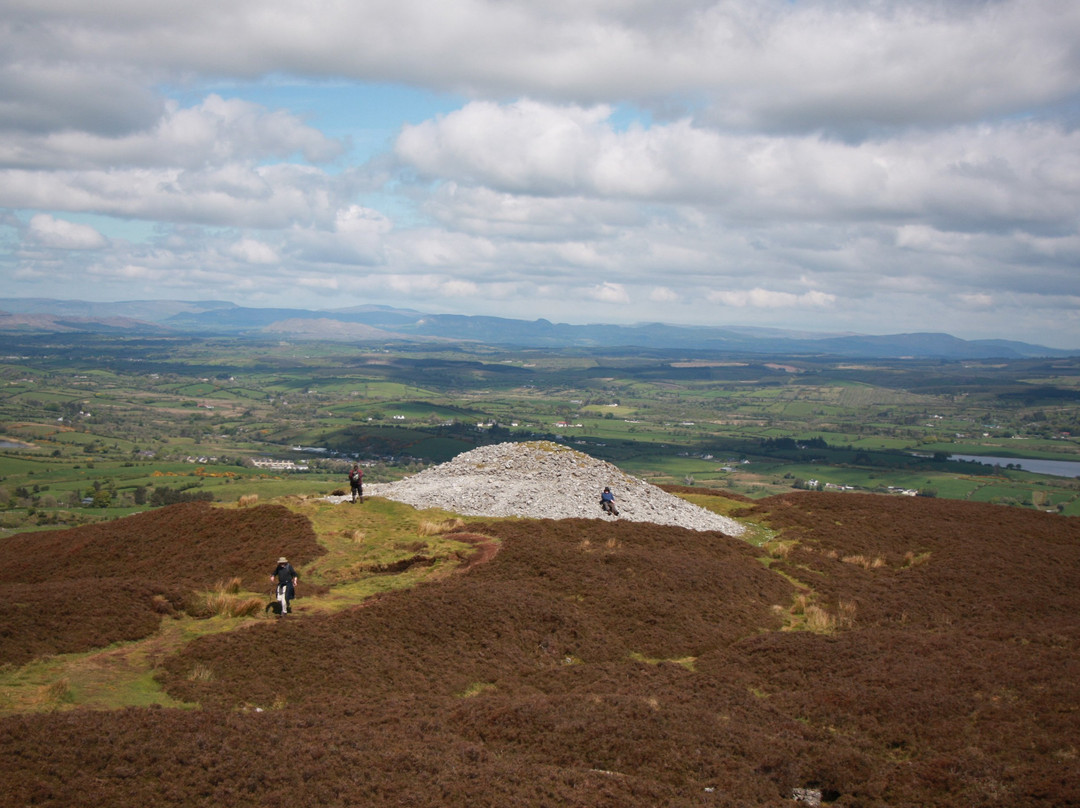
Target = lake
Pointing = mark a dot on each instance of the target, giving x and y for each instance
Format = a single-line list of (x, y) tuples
[(1058, 468)]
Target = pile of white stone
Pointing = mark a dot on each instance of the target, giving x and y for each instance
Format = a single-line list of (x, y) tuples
[(545, 480)]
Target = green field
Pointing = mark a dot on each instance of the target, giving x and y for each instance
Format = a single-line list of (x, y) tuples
[(113, 420)]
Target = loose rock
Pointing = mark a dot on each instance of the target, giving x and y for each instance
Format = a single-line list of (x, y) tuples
[(544, 480)]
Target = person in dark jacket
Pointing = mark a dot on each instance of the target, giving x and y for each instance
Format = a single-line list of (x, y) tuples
[(607, 502), (286, 579), (356, 482)]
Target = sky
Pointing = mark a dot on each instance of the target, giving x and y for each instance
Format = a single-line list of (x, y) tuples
[(821, 165)]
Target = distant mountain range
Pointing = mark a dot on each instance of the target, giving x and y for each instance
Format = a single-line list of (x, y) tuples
[(387, 324)]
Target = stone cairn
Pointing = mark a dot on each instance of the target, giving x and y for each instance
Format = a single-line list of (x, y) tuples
[(544, 480)]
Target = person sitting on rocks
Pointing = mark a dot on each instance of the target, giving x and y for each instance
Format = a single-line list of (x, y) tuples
[(607, 502)]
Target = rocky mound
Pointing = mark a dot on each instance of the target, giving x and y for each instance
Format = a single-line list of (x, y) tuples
[(544, 480)]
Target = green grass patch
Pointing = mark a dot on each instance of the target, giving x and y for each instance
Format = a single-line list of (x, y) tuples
[(687, 662), (374, 547)]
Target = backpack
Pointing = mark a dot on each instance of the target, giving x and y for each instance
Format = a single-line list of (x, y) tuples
[(285, 574)]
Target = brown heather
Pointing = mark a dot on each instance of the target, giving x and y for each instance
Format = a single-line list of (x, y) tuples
[(92, 586), (650, 670)]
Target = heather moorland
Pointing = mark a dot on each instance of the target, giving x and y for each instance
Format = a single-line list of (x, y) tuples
[(870, 650)]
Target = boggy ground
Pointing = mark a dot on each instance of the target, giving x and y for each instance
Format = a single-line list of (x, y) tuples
[(619, 664)]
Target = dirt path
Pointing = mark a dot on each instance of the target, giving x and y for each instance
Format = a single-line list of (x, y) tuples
[(371, 549)]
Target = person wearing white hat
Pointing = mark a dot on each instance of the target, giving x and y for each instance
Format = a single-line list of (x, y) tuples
[(286, 579)]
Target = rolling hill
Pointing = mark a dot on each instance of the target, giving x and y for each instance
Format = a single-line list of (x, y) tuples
[(385, 323)]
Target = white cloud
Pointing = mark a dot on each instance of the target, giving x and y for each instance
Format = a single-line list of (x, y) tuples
[(809, 65), (39, 97), (320, 284), (1014, 175), (482, 211), (459, 288), (216, 132), (608, 292), (238, 195), (875, 165), (251, 251), (982, 301), (131, 272), (61, 234), (769, 299)]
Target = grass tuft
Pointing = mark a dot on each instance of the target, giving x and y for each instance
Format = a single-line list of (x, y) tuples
[(912, 559), (688, 662), (227, 600), (427, 527), (818, 620), (59, 692), (845, 614), (475, 689), (779, 549), (200, 673)]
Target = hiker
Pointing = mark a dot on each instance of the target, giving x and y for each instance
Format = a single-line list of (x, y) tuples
[(286, 579), (607, 502), (356, 482)]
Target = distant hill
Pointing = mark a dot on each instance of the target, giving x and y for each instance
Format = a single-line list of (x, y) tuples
[(148, 310), (62, 324), (384, 323)]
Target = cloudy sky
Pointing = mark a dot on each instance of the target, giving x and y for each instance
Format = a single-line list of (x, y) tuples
[(827, 165)]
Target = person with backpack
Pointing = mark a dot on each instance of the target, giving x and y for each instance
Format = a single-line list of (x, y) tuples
[(286, 579), (356, 482)]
